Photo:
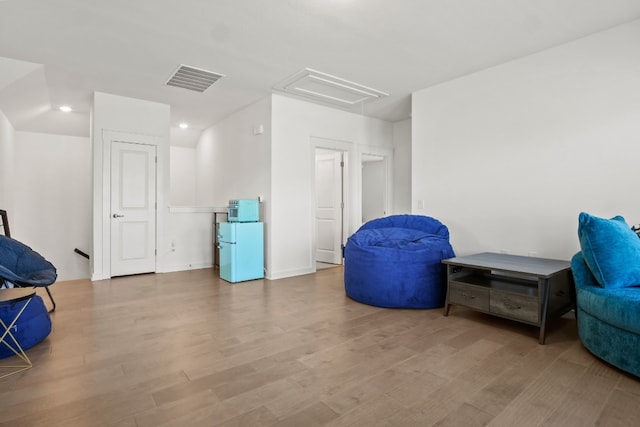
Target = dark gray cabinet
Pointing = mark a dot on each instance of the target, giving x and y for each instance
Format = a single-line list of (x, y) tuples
[(525, 289)]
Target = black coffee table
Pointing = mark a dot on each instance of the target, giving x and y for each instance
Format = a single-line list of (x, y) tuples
[(521, 288)]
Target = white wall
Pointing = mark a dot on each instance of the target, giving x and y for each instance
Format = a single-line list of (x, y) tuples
[(48, 195), (7, 161), (52, 199), (134, 120), (182, 176), (402, 167), (509, 156), (232, 162), (189, 239), (295, 125)]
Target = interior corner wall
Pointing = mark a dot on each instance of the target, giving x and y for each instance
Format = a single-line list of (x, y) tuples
[(295, 125), (233, 162), (138, 120), (182, 176), (402, 167), (509, 156), (52, 201), (7, 161)]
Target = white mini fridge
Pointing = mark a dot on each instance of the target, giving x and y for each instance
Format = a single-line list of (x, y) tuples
[(241, 247)]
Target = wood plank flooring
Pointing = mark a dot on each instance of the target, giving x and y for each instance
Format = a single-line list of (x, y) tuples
[(187, 349)]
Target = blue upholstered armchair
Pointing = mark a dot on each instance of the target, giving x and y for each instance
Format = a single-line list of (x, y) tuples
[(607, 277)]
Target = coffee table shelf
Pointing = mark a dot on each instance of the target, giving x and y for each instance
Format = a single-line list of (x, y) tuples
[(526, 289)]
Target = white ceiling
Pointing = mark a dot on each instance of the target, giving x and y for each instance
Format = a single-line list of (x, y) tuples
[(55, 52)]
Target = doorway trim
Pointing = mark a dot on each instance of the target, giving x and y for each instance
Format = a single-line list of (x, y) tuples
[(330, 200), (374, 195), (101, 257), (387, 157), (347, 148)]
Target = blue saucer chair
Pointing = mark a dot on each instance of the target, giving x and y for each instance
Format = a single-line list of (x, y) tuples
[(23, 267), (395, 262)]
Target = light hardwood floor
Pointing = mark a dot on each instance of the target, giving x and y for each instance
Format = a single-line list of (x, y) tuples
[(188, 349)]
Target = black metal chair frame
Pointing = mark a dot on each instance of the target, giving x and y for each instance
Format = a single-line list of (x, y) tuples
[(5, 223)]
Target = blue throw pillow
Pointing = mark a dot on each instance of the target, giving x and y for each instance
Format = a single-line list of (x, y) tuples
[(611, 250)]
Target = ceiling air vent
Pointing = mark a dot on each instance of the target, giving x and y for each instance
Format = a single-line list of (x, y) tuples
[(193, 78), (318, 86)]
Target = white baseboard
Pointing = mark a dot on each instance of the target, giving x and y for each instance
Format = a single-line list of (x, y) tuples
[(183, 267), (289, 273)]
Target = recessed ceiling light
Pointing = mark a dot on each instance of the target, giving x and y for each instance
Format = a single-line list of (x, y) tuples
[(65, 109), (183, 125)]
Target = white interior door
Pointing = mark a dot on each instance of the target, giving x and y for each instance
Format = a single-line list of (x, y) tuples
[(329, 206), (133, 208)]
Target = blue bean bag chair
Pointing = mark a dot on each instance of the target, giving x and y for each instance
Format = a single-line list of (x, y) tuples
[(395, 262), (33, 325)]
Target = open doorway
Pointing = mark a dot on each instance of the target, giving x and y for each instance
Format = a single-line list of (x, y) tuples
[(329, 206), (374, 187)]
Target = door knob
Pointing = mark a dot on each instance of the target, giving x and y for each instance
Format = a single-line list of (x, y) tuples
[(118, 216)]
